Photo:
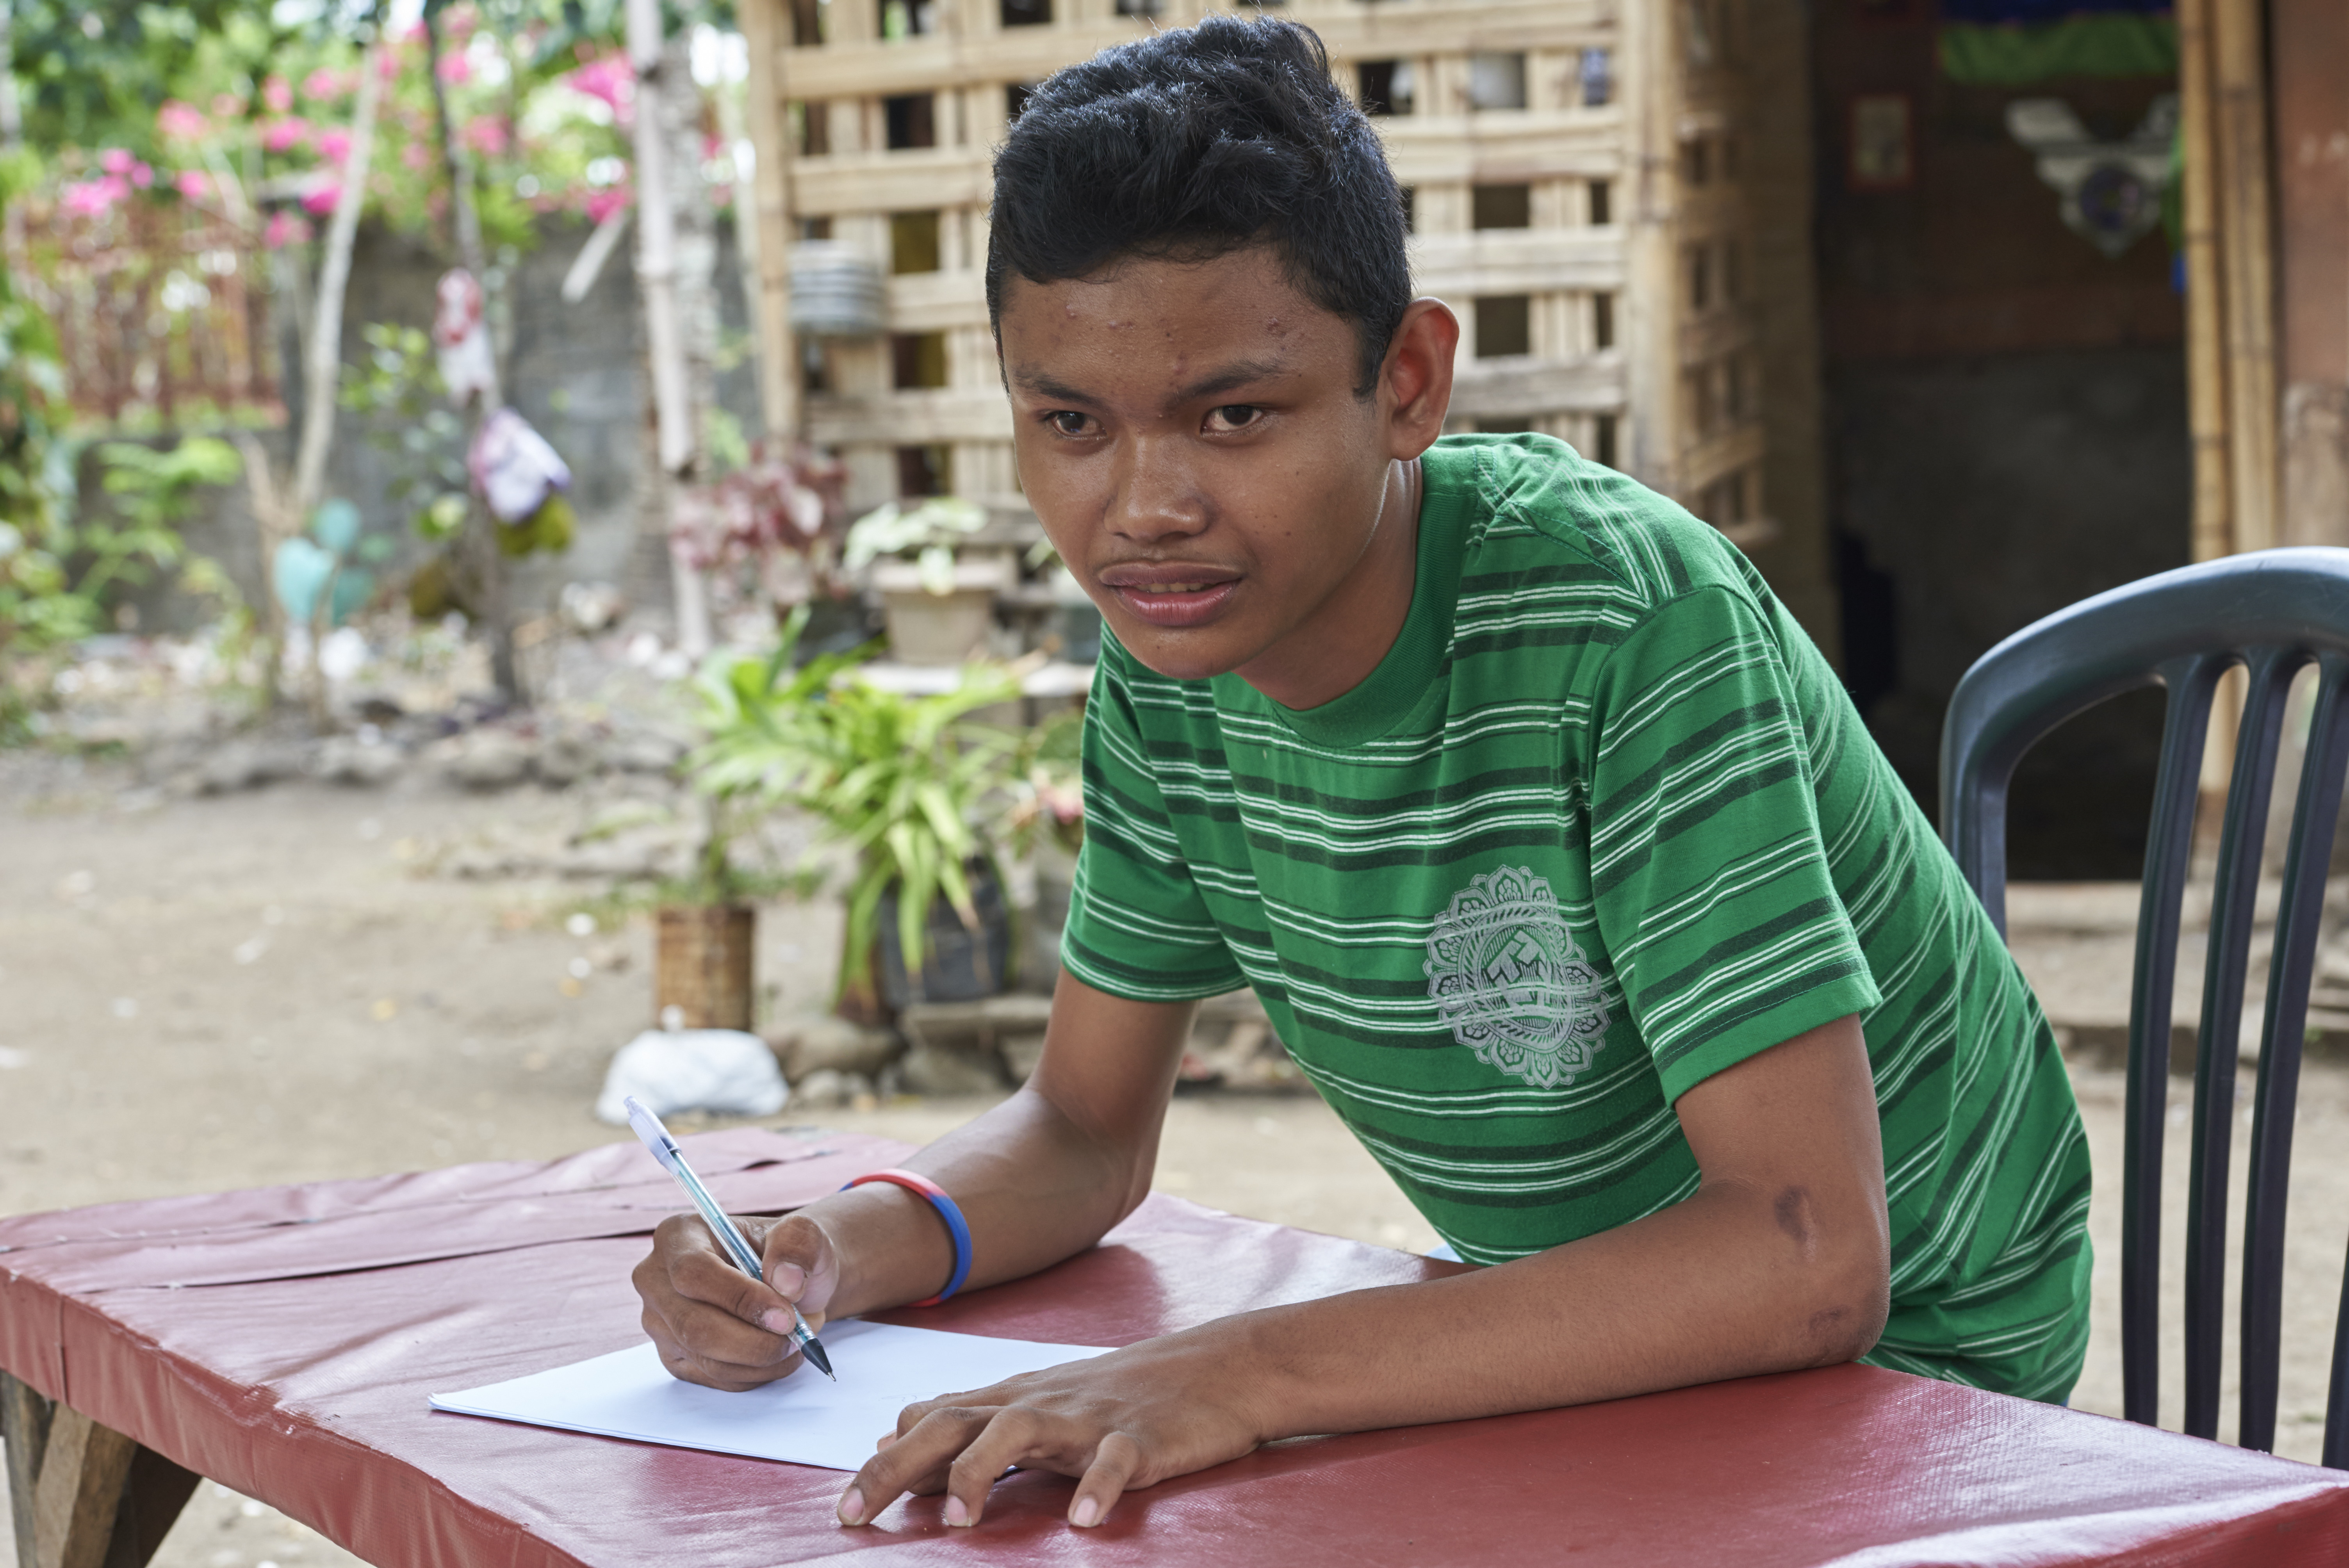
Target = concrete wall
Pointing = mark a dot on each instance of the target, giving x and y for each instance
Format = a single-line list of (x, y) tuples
[(573, 372)]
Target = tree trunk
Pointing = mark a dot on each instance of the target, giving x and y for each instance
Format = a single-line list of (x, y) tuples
[(323, 361), (664, 74), (481, 567)]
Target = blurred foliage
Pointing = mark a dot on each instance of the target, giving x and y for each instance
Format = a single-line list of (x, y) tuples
[(397, 388), (54, 581), (34, 477), (240, 106), (91, 72)]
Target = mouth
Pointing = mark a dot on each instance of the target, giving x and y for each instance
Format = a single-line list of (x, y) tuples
[(1176, 594)]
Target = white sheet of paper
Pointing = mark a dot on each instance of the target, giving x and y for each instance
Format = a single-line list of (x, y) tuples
[(805, 1419)]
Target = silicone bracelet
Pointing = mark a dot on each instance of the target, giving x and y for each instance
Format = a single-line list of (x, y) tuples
[(955, 1226)]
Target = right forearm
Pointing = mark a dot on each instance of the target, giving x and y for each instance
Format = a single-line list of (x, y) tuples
[(1033, 1186), (1038, 1177)]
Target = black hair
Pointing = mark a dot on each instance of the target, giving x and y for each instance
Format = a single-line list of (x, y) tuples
[(1191, 144)]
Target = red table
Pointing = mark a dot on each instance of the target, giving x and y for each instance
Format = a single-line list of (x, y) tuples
[(281, 1341)]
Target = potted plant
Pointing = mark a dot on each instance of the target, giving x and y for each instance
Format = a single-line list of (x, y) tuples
[(906, 782), (940, 600), (705, 930)]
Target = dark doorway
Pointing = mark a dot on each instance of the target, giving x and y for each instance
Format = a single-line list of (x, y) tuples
[(2006, 409)]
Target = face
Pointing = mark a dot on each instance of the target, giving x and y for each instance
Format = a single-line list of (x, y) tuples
[(1190, 436)]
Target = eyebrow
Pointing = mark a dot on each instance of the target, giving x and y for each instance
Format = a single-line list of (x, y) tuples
[(1231, 376)]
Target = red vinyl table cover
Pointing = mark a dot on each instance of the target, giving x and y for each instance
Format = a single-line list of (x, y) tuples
[(283, 1341)]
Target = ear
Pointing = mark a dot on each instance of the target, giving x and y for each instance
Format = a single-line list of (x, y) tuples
[(1415, 381)]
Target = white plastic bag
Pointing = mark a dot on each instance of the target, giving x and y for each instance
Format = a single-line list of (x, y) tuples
[(514, 468), (724, 1071)]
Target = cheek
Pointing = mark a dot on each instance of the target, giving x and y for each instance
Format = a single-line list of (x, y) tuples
[(1060, 493)]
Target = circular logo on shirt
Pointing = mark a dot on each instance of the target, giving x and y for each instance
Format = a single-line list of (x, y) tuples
[(1508, 980)]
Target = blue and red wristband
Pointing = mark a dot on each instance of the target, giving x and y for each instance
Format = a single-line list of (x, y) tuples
[(957, 1227)]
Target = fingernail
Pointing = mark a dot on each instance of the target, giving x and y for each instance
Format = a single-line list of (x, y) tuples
[(852, 1507), (1086, 1515), (789, 1278), (957, 1511), (775, 1320)]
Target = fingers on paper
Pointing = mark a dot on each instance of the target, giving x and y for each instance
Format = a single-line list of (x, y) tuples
[(963, 1451)]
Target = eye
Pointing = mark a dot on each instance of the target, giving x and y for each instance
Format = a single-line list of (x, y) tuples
[(1234, 416), (1069, 422)]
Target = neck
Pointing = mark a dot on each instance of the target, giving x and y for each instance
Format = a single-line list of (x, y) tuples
[(1338, 646)]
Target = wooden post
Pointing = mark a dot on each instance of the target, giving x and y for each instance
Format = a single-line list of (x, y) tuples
[(2245, 211), (82, 1494), (2309, 44), (25, 1429), (2206, 356), (1649, 80), (769, 215)]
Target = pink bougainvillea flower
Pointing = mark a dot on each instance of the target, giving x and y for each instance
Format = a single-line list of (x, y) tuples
[(333, 146), (114, 160), (325, 85), (194, 185), (177, 122), (602, 204), (285, 229), (278, 94), (487, 134), (285, 135), (320, 199), (609, 79), (96, 198), (142, 175), (455, 68)]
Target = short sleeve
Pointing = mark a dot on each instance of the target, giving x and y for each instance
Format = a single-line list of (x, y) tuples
[(1712, 886), (1137, 927)]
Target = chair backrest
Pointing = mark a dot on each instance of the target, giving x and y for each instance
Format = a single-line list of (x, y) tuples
[(2273, 612)]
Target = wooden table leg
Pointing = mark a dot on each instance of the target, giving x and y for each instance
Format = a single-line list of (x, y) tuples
[(83, 1495)]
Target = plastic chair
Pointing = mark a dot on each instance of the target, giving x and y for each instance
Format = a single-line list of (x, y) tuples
[(2273, 612)]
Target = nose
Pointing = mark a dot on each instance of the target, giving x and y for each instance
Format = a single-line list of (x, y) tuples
[(1158, 497)]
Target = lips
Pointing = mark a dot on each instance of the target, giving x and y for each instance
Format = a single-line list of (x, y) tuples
[(1172, 594)]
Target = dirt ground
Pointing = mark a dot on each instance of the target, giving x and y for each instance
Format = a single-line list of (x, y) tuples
[(290, 985)]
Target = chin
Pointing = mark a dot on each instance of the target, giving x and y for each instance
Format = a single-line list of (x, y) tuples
[(1180, 655)]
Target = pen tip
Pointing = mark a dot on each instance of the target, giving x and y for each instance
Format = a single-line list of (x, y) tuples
[(815, 1353)]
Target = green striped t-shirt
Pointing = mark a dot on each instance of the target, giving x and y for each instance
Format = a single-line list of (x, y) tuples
[(1600, 824)]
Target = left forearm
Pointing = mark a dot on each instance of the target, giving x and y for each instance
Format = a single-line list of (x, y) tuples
[(1733, 1282)]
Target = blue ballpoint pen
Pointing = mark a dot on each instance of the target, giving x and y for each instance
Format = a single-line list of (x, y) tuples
[(731, 1240)]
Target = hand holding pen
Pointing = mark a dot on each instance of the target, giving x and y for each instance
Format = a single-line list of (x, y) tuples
[(731, 1239)]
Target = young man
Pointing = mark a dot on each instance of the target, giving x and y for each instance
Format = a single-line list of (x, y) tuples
[(1550, 843)]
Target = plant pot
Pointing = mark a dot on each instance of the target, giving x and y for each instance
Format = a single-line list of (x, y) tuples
[(702, 965), (959, 964), (950, 628)]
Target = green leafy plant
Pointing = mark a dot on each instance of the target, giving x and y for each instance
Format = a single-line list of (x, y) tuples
[(909, 783), (57, 570), (153, 491), (397, 386)]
